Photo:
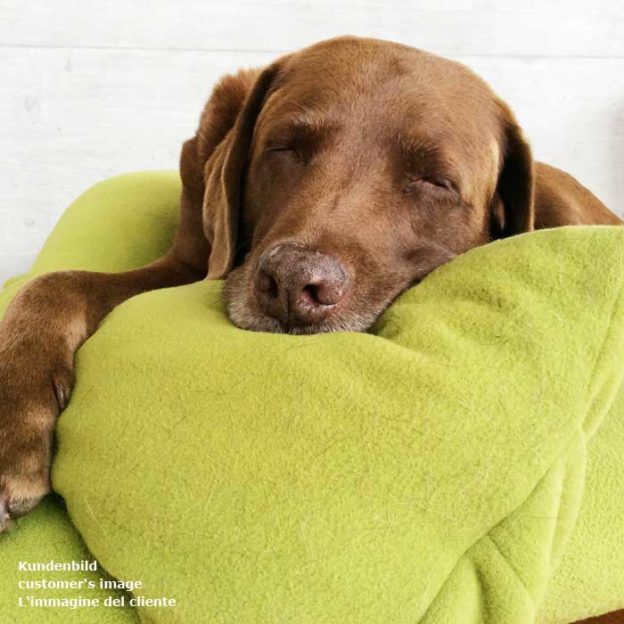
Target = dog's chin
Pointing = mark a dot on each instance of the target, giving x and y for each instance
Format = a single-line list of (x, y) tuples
[(245, 317)]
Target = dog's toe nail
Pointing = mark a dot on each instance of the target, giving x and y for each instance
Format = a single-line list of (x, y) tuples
[(62, 382)]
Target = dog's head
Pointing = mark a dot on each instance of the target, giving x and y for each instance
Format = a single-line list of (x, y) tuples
[(347, 172)]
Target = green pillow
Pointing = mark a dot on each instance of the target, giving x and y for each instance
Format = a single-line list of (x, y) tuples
[(439, 469), (46, 535)]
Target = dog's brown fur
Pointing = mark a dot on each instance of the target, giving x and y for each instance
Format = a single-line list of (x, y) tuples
[(386, 157)]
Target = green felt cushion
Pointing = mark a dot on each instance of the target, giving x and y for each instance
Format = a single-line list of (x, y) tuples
[(441, 469), (44, 536)]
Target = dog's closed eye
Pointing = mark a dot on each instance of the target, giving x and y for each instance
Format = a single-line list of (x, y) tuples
[(431, 184), (280, 148)]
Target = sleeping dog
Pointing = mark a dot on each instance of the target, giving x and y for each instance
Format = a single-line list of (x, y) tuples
[(319, 188)]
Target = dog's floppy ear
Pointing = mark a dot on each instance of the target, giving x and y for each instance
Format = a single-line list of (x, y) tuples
[(512, 209), (228, 123)]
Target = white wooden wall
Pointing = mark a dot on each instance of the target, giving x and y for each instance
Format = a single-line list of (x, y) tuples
[(92, 88)]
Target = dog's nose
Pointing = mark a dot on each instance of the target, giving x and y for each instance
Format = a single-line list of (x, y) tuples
[(298, 285)]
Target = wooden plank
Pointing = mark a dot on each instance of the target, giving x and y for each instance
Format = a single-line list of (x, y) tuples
[(71, 117), (68, 119), (452, 27)]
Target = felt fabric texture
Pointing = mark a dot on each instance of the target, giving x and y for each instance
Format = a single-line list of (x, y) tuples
[(461, 463), (47, 535)]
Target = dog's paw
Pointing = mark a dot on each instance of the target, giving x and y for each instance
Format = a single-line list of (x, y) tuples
[(32, 394), (20, 495)]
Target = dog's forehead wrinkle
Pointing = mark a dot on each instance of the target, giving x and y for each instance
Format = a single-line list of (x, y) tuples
[(304, 118), (405, 104)]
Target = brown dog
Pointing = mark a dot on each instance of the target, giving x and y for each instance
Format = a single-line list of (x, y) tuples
[(320, 187)]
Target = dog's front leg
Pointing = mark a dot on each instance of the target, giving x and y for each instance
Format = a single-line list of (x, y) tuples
[(42, 329)]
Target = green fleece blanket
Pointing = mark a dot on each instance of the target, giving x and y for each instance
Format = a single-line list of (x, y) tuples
[(460, 464)]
